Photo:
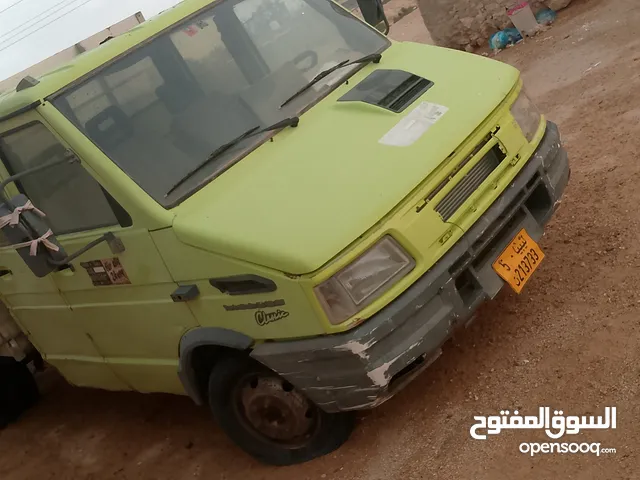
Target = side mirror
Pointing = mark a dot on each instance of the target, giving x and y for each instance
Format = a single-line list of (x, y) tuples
[(31, 236), (373, 13)]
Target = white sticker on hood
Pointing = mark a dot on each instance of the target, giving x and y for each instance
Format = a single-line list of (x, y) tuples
[(414, 125)]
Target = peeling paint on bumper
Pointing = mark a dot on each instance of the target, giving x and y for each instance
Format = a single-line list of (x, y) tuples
[(364, 367)]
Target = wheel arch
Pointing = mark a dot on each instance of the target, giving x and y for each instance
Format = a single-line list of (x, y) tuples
[(200, 348)]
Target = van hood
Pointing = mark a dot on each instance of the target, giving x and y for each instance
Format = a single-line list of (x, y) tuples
[(295, 203)]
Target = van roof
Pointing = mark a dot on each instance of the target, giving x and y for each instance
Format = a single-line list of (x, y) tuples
[(13, 101)]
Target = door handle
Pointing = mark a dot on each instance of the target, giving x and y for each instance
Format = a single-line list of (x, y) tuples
[(6, 274)]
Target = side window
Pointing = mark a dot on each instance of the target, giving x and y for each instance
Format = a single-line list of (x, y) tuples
[(72, 200)]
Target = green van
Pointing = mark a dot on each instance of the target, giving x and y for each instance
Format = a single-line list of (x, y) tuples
[(270, 207)]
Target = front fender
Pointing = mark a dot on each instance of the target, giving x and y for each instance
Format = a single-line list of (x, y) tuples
[(205, 337)]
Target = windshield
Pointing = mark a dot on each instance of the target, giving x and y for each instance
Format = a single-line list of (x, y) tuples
[(162, 109)]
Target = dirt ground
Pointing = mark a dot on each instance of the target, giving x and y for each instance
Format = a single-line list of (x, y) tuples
[(570, 341)]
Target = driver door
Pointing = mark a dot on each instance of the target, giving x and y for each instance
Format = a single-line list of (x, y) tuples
[(37, 303), (116, 325)]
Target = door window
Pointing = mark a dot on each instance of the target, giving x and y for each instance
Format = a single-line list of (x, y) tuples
[(71, 198)]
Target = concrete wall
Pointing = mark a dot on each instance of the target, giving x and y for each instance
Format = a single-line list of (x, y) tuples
[(70, 53), (466, 24)]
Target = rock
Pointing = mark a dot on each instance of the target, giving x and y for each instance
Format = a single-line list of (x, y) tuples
[(537, 5), (459, 23), (557, 4), (467, 21)]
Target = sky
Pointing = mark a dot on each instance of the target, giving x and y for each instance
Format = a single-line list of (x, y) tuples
[(32, 30)]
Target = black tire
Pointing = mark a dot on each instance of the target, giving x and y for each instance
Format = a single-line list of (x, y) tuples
[(234, 377), (18, 390)]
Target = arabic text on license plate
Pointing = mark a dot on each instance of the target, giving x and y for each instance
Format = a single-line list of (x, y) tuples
[(519, 260)]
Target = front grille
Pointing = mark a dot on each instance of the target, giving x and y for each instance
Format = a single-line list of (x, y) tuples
[(469, 183), (530, 199)]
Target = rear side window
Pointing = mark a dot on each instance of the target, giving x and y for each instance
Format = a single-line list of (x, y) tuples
[(72, 200)]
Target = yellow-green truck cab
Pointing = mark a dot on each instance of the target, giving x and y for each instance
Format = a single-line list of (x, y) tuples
[(270, 207)]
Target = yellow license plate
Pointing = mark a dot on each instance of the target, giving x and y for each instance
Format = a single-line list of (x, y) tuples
[(519, 260)]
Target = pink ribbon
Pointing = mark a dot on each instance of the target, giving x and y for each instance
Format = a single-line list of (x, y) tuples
[(14, 217), (33, 244)]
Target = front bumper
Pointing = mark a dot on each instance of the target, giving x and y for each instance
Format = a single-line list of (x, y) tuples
[(364, 367)]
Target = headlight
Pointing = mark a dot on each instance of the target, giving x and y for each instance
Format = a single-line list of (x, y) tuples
[(369, 276), (527, 116)]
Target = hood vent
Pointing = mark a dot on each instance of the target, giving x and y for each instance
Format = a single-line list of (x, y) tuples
[(392, 90)]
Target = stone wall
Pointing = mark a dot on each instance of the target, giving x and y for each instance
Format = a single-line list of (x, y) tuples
[(466, 24)]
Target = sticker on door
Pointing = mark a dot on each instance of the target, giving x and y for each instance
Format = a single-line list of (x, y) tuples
[(106, 272)]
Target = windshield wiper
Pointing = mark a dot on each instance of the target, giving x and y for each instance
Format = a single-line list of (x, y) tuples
[(287, 122), (374, 57)]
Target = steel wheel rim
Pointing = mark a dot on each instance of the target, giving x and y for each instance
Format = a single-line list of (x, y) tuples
[(274, 411)]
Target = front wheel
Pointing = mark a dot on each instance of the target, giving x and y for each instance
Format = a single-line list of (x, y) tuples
[(268, 418)]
